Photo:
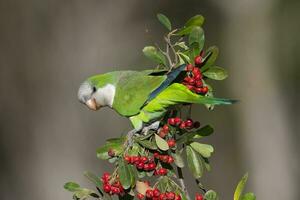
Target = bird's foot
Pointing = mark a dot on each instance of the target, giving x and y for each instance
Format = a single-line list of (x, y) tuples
[(153, 126)]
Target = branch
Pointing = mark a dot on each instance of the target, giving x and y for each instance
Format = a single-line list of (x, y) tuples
[(182, 184)]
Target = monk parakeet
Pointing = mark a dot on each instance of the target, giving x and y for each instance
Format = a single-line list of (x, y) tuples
[(142, 96)]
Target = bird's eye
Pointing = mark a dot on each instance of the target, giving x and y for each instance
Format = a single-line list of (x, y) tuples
[(94, 89)]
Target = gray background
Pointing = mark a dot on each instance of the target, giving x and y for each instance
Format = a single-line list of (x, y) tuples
[(47, 47)]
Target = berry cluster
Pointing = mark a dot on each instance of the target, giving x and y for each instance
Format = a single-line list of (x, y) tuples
[(164, 158), (187, 124), (193, 80), (112, 188), (199, 197), (141, 162), (155, 194)]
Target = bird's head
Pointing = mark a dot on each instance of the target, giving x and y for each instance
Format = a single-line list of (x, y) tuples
[(96, 92), (86, 95)]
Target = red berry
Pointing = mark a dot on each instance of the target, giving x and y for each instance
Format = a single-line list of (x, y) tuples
[(196, 71), (162, 133), (170, 195), (105, 177), (199, 197), (111, 153), (140, 196), (166, 128), (162, 196), (189, 80), (199, 83), (162, 171), (189, 123), (146, 167), (171, 143), (196, 124), (178, 197), (170, 160), (156, 192), (183, 125), (177, 120), (198, 90), (149, 194), (106, 188), (135, 159), (190, 87), (189, 67), (171, 121), (156, 155), (115, 190), (144, 159), (205, 90), (164, 158), (127, 159), (198, 77), (198, 60), (140, 165), (152, 166)]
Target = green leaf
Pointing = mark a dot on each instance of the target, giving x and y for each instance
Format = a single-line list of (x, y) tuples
[(182, 45), (209, 61), (202, 132), (249, 196), (216, 73), (204, 149), (240, 187), (178, 160), (161, 143), (211, 195), (116, 145), (152, 53), (93, 178), (165, 21), (195, 162), (197, 20), (134, 175), (185, 57), (124, 174), (84, 193), (72, 186), (147, 144), (197, 37)]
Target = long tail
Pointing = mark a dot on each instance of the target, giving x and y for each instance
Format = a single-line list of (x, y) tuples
[(177, 93)]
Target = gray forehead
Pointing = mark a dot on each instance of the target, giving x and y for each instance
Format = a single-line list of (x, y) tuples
[(85, 91)]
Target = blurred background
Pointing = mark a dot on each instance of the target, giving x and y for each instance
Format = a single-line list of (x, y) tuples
[(48, 47)]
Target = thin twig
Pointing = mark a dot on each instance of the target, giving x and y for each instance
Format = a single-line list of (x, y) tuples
[(182, 184), (200, 185)]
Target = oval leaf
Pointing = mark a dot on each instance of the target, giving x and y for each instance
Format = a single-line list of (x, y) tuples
[(211, 195), (72, 186), (249, 196), (147, 144), (161, 143), (204, 149), (155, 55), (216, 73), (165, 21), (178, 160), (195, 162), (93, 178), (209, 60), (240, 187), (197, 20), (197, 36), (124, 174)]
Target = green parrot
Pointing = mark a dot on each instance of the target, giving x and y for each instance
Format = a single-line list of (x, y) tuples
[(142, 96)]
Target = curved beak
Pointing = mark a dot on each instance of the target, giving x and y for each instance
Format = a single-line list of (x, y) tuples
[(91, 104)]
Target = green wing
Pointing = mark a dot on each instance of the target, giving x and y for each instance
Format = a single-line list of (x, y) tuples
[(133, 89)]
